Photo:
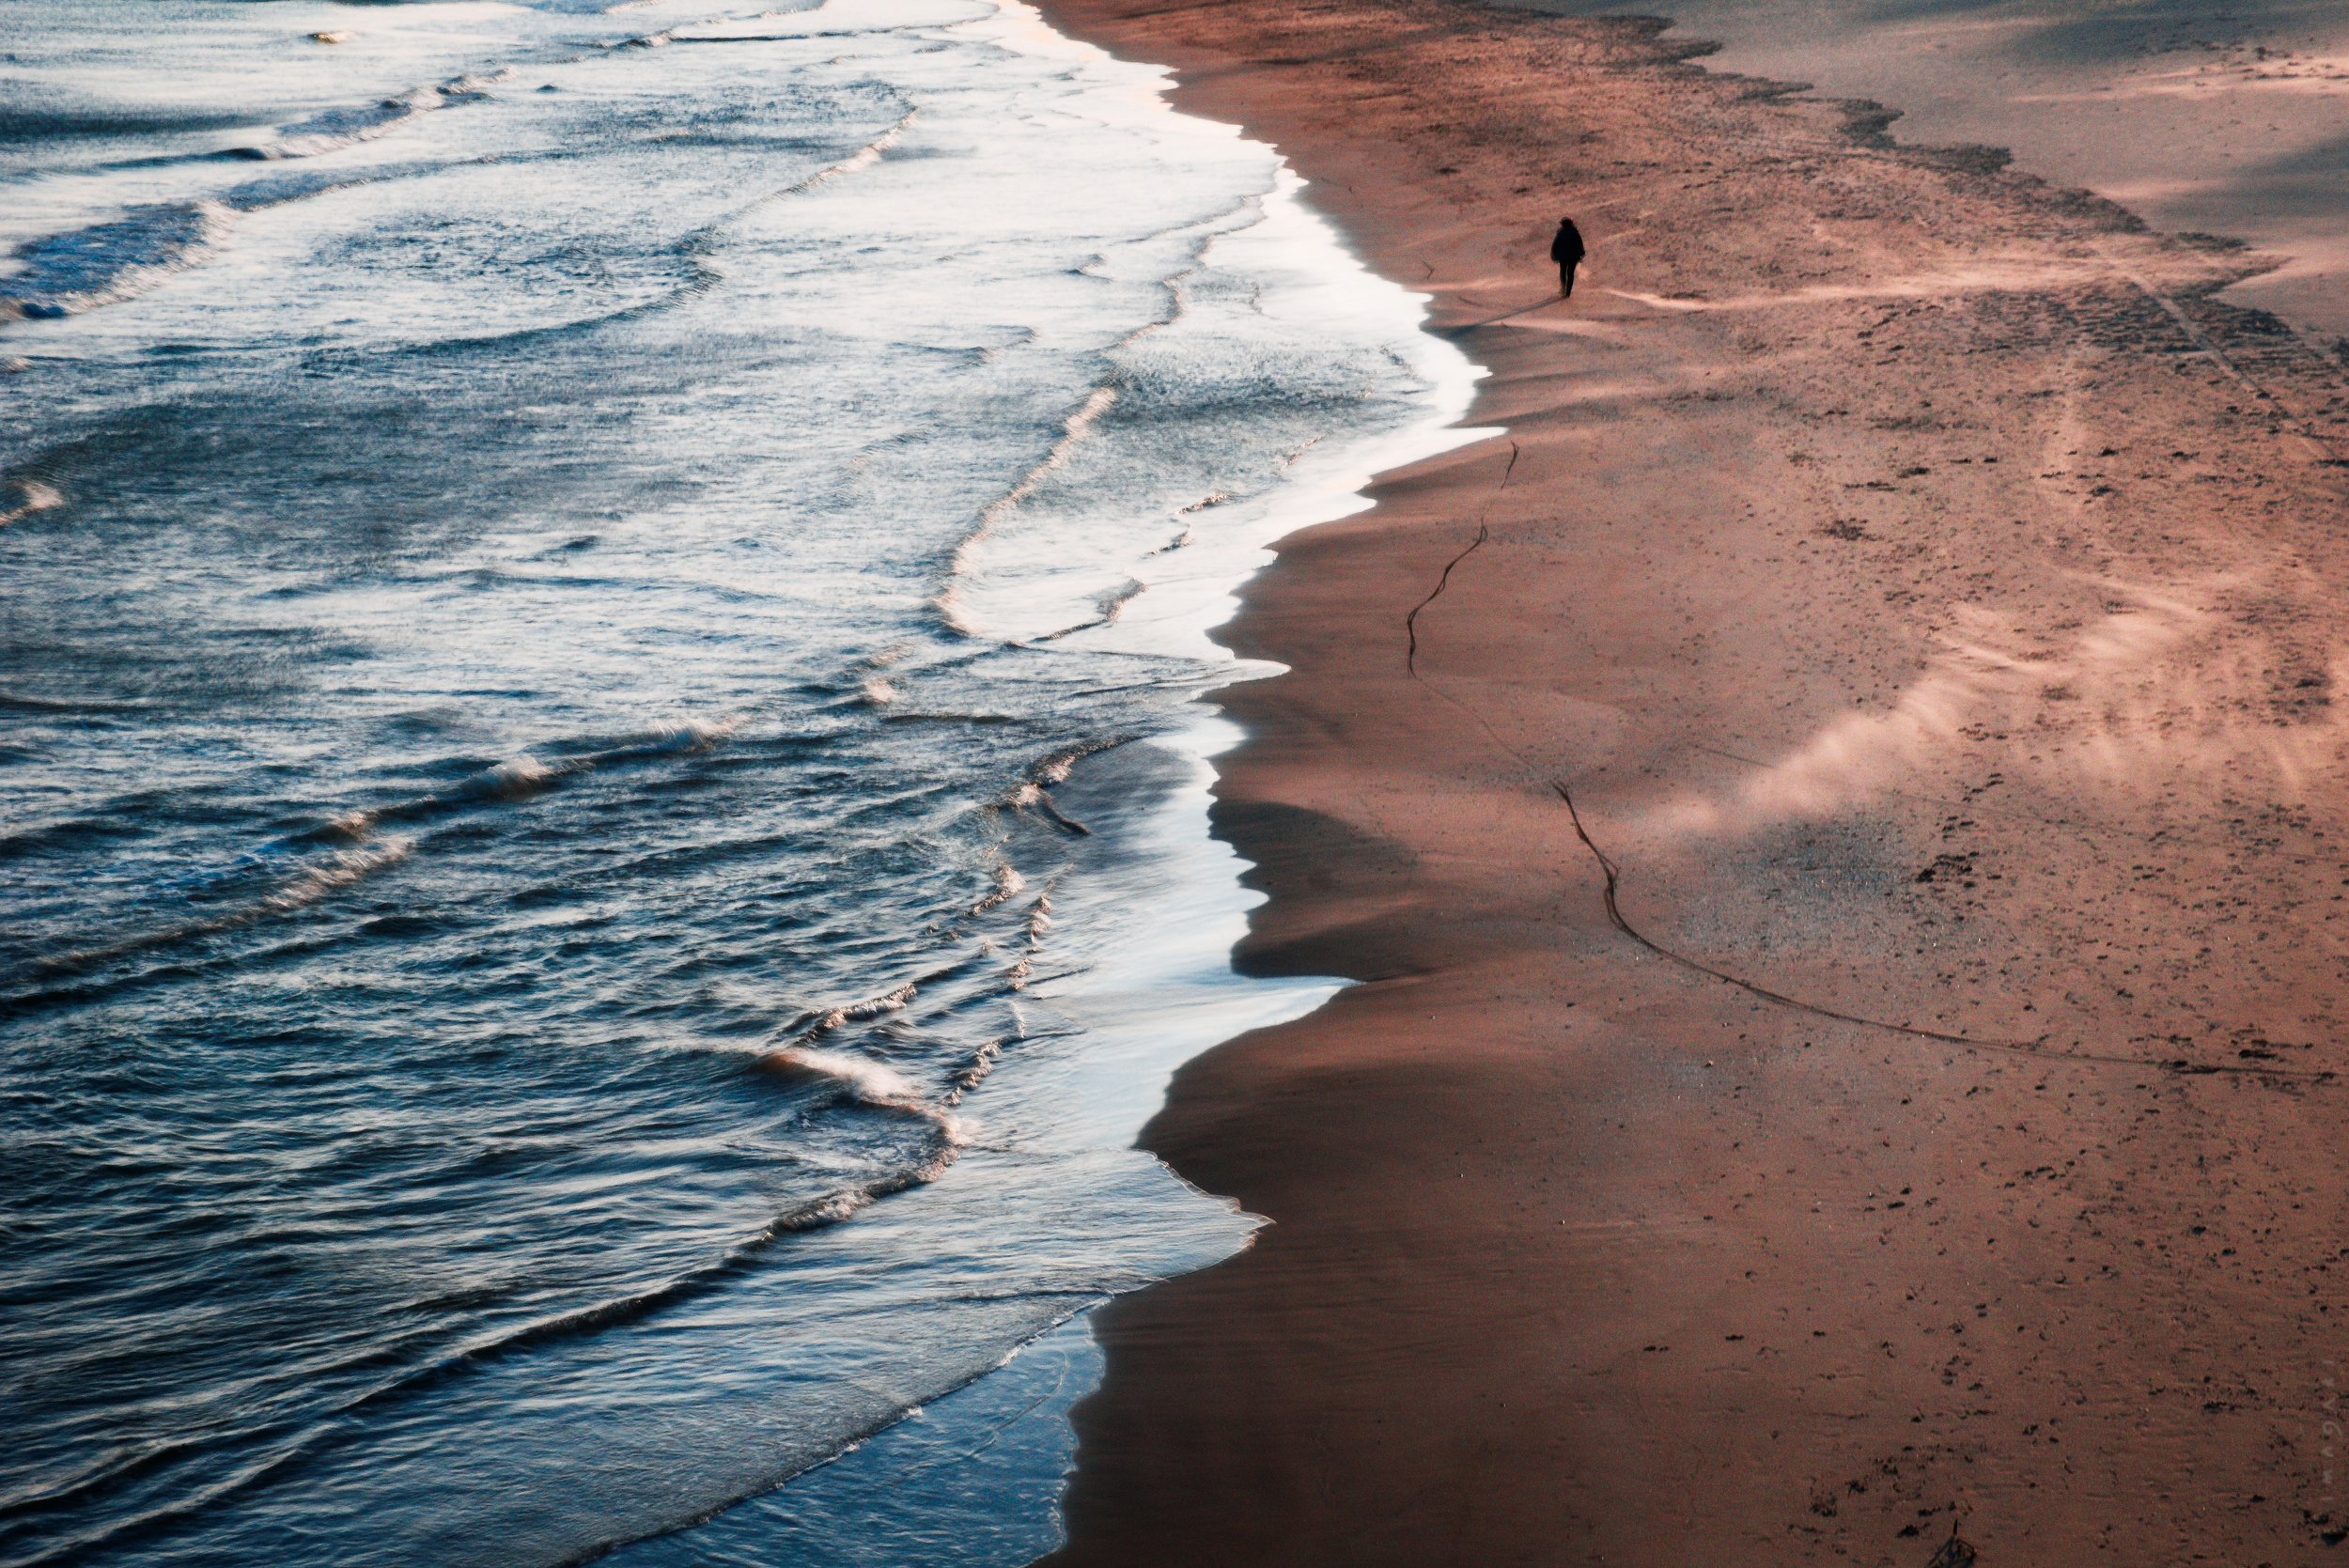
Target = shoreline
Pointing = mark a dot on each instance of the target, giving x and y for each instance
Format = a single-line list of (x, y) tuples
[(1995, 737), (1150, 995), (1019, 1199)]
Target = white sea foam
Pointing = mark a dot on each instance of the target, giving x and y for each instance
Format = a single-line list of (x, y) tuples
[(333, 129), (1008, 883), (30, 496), (882, 1088), (515, 778), (870, 1082), (690, 735)]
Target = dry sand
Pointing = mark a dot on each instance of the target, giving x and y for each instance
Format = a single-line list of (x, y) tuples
[(2232, 118), (1930, 597)]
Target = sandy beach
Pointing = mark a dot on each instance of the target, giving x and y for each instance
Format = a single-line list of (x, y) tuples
[(1836, 810)]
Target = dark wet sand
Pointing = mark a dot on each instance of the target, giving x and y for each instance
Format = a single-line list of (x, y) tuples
[(1932, 602)]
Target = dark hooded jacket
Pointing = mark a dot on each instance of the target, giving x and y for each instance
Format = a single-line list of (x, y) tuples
[(1567, 246)]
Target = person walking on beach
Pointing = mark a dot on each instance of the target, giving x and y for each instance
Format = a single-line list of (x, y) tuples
[(1567, 250)]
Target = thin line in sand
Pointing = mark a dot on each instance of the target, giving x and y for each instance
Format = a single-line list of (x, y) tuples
[(1612, 875)]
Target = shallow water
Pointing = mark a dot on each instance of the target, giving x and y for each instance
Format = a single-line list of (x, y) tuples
[(603, 819)]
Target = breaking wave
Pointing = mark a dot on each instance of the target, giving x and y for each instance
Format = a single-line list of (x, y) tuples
[(334, 128), (63, 275)]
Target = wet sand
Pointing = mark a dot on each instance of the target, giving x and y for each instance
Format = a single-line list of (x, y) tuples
[(1926, 598)]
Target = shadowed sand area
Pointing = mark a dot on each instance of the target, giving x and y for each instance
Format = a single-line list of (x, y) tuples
[(1930, 597)]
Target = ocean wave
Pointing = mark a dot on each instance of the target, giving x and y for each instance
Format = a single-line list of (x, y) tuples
[(693, 253), (527, 776), (856, 162), (515, 778), (867, 1082), (341, 128), (861, 1080), (1053, 767), (33, 126), (63, 275), (1035, 797), (1033, 930), (1076, 428), (106, 263), (974, 1072), (1008, 883), (819, 1024), (964, 563), (697, 247), (367, 850), (304, 886), (122, 258), (21, 498), (685, 735), (830, 1209)]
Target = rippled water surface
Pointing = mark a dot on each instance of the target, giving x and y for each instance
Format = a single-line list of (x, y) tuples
[(601, 814)]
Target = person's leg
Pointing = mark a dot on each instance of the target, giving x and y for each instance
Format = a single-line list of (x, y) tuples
[(1565, 280)]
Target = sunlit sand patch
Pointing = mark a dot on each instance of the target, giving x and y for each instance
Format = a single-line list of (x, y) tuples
[(1600, 333), (2166, 684), (1990, 275), (2310, 74)]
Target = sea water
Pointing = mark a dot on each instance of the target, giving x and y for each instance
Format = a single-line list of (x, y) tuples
[(602, 799)]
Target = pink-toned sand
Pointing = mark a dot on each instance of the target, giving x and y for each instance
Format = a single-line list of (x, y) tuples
[(1933, 604)]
